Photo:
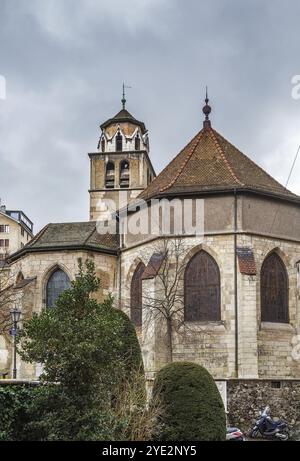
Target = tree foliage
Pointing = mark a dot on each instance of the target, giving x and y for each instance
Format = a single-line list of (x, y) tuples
[(15, 401), (87, 349), (192, 405)]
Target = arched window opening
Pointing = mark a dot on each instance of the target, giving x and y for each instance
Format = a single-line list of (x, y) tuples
[(57, 284), (136, 296), (20, 278), (274, 290), (119, 142), (103, 145), (110, 176), (137, 142), (124, 174), (202, 289)]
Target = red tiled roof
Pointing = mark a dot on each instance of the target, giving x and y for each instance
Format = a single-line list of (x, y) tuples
[(210, 163), (246, 261)]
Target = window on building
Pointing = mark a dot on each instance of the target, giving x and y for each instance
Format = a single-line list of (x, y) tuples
[(22, 232), (57, 284), (4, 242), (20, 278), (274, 290), (136, 296), (124, 174), (4, 228), (103, 145), (110, 175), (119, 142), (202, 289), (137, 142)]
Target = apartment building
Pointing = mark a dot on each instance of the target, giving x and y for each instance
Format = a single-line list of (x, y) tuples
[(16, 230)]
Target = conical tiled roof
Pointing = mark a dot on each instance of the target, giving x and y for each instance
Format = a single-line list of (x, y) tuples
[(122, 117), (210, 163)]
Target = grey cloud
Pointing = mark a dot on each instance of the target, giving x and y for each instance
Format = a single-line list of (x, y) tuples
[(65, 61)]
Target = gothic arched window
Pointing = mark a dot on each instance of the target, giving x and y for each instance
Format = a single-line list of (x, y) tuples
[(57, 284), (274, 290), (124, 174), (20, 278), (110, 175), (136, 296), (202, 289), (119, 142), (137, 142)]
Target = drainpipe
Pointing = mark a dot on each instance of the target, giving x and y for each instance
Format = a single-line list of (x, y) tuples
[(121, 236), (236, 289)]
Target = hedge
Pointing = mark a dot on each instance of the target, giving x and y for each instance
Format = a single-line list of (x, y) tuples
[(192, 408)]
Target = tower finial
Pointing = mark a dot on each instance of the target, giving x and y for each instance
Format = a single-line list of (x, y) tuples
[(206, 111), (123, 99)]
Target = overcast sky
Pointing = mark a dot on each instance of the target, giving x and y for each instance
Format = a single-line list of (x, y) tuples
[(64, 62)]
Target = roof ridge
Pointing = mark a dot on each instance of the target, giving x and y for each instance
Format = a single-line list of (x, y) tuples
[(184, 163), (168, 164), (90, 234), (224, 158), (281, 186), (38, 235)]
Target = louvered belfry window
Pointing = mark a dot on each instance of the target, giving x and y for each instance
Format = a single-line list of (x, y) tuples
[(274, 290), (119, 142), (57, 284), (202, 289), (136, 296)]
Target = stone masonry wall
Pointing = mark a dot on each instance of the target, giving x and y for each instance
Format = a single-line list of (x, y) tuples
[(246, 398)]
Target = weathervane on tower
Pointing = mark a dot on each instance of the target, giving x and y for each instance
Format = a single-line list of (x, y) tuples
[(124, 98)]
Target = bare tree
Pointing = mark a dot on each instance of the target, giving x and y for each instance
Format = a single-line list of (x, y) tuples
[(168, 265), (163, 307), (139, 419)]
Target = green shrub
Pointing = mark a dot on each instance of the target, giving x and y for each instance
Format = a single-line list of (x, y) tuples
[(130, 350), (89, 351), (192, 406), (15, 401)]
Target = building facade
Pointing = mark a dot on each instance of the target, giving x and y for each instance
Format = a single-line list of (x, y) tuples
[(16, 230), (236, 303)]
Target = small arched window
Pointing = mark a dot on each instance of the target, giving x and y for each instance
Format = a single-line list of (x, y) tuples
[(20, 278), (124, 174), (274, 290), (137, 142), (119, 142), (103, 145), (136, 296), (57, 284), (110, 175), (202, 289)]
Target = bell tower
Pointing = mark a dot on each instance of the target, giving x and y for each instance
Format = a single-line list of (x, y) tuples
[(121, 167)]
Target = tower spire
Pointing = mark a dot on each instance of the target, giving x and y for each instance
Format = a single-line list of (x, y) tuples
[(206, 111), (123, 98)]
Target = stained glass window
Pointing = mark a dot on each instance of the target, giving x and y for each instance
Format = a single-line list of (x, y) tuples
[(57, 284)]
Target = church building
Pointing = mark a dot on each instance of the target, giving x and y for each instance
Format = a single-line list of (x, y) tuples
[(237, 304)]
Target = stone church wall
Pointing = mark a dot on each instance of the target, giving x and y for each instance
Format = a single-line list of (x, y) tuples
[(246, 398)]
